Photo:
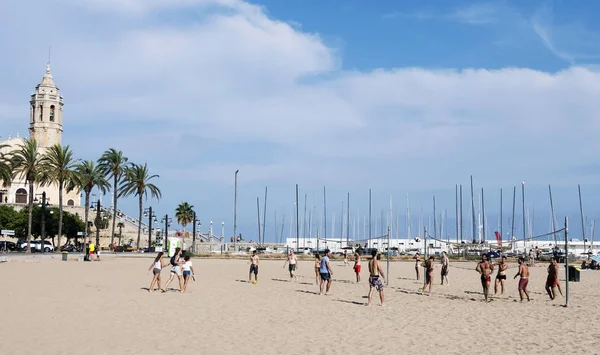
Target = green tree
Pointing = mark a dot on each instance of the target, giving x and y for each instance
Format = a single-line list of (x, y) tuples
[(113, 165), (88, 176), (5, 167), (59, 168), (72, 224), (137, 182), (184, 214), (27, 165), (9, 218)]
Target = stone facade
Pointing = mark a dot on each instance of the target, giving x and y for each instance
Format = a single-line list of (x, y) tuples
[(46, 127)]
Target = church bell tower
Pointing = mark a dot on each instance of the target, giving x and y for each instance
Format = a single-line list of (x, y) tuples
[(45, 113)]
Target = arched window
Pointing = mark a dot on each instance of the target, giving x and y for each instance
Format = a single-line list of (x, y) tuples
[(21, 196), (41, 113), (70, 203), (52, 113)]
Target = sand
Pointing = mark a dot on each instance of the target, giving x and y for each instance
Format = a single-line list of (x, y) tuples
[(56, 307)]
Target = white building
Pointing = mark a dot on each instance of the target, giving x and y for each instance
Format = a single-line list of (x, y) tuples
[(46, 127)]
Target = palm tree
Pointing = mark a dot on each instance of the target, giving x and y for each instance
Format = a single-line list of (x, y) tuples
[(59, 168), (5, 167), (184, 214), (27, 164), (136, 182), (120, 225), (113, 164), (88, 176)]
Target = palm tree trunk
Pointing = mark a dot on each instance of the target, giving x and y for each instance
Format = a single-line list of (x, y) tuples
[(114, 220), (60, 211), (30, 217), (86, 215), (139, 223)]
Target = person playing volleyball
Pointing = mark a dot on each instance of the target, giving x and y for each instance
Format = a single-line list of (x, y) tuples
[(357, 265), (375, 283)]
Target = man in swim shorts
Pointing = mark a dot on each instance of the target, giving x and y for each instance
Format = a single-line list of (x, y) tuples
[(92, 250), (445, 263), (501, 275), (253, 267), (485, 270), (524, 280), (326, 273), (552, 280), (429, 266), (375, 271), (357, 265), (292, 262)]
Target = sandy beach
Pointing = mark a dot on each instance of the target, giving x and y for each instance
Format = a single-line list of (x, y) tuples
[(56, 307)]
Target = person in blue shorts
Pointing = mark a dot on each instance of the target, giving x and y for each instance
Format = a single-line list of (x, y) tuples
[(326, 273)]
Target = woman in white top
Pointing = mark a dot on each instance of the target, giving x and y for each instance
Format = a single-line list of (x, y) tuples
[(188, 270), (156, 268)]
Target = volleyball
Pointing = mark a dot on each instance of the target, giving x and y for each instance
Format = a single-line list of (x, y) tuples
[(254, 282)]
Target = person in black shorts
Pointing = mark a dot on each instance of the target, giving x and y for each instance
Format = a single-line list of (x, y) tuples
[(325, 272), (253, 267), (501, 275)]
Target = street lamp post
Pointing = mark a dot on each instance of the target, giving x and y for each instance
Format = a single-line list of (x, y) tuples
[(222, 230), (151, 216), (43, 221), (167, 221), (235, 212), (98, 222), (210, 236)]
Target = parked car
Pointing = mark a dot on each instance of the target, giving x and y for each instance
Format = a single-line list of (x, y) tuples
[(492, 254), (8, 246), (36, 246)]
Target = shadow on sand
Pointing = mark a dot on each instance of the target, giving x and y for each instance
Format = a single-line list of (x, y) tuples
[(309, 292), (353, 302)]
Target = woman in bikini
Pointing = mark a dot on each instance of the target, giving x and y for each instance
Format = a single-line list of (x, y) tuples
[(156, 268), (417, 258), (317, 266)]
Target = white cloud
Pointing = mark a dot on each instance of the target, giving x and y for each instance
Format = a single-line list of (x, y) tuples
[(238, 76)]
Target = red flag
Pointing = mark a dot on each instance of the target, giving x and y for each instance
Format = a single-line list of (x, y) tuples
[(499, 240)]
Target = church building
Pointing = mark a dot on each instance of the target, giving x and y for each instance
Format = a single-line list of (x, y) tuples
[(46, 127)]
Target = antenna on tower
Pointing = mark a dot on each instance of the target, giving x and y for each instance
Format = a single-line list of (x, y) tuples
[(49, 56)]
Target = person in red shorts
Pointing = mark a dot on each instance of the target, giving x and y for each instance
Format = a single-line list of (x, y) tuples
[(357, 265), (485, 269), (552, 280), (524, 280)]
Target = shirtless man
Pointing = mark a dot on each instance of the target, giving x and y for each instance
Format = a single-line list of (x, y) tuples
[(345, 258), (292, 260), (357, 265), (253, 267), (524, 273), (552, 280), (484, 268), (445, 263), (501, 275), (429, 266), (375, 271)]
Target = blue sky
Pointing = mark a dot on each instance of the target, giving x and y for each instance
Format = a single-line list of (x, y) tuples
[(403, 97)]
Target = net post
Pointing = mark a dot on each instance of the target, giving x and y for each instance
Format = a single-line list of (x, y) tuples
[(424, 258), (387, 279), (567, 261)]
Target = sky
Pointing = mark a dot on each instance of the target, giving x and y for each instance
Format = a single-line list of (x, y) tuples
[(402, 97)]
